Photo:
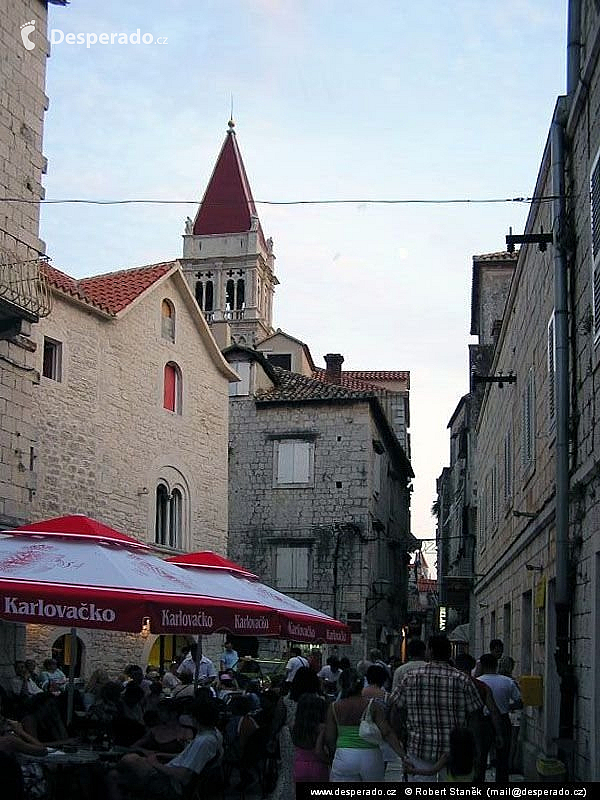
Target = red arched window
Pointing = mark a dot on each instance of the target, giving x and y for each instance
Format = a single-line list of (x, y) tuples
[(172, 388)]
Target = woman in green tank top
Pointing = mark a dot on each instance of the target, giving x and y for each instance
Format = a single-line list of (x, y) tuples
[(355, 760)]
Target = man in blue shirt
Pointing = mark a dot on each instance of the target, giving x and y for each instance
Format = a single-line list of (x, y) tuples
[(229, 658)]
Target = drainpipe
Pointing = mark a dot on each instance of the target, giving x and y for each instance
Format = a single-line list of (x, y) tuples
[(573, 45), (562, 598)]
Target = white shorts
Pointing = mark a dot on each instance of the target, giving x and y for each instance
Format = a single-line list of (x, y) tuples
[(357, 764)]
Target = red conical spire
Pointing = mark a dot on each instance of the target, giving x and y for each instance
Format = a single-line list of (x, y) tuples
[(227, 205)]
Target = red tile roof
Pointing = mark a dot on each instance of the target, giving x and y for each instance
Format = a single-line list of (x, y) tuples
[(111, 292), (365, 379), (227, 205), (502, 256), (379, 375), (347, 381), (293, 386)]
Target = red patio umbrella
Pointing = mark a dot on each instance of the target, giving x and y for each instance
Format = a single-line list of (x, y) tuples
[(74, 571), (298, 621)]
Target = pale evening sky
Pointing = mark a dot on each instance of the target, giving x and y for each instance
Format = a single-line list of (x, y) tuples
[(332, 100)]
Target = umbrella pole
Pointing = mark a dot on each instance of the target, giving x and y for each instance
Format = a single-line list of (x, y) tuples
[(71, 686), (197, 663)]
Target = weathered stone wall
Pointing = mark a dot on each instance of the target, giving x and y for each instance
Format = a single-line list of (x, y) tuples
[(107, 440), (510, 541), (22, 107), (583, 140), (335, 517)]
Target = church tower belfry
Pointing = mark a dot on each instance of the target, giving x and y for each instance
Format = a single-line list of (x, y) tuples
[(227, 261)]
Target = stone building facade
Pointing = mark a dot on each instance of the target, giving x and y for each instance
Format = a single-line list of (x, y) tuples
[(319, 496), (456, 506), (347, 538), (23, 295), (538, 545), (120, 442)]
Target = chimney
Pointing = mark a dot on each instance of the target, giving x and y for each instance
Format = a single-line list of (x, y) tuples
[(333, 373)]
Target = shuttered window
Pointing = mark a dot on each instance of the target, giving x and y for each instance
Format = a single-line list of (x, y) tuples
[(482, 513), (508, 467), (551, 367), (595, 224), (494, 494), (172, 388), (294, 462), (528, 437), (292, 567), (242, 387)]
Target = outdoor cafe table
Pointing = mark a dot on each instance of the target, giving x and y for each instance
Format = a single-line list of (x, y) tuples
[(69, 774)]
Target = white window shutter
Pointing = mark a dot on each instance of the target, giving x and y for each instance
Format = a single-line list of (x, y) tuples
[(285, 462), (284, 566), (595, 234), (551, 367), (301, 462), (300, 567)]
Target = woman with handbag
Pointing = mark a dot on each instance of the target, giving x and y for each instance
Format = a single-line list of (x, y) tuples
[(351, 722)]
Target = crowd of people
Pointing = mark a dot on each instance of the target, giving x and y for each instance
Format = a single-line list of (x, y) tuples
[(430, 718)]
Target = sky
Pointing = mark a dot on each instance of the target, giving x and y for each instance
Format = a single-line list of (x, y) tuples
[(335, 100)]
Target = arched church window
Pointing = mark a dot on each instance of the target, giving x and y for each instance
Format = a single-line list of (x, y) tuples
[(208, 296), (167, 313), (162, 514), (172, 388), (175, 518), (240, 299), (200, 294), (230, 295), (169, 516)]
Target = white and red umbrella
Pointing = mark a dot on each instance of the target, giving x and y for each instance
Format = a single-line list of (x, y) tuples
[(298, 622), (76, 572)]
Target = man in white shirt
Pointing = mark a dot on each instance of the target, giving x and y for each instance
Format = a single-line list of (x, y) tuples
[(207, 673), (170, 680), (294, 664), (508, 698), (160, 781), (23, 685)]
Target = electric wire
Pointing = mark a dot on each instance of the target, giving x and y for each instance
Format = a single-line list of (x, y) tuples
[(342, 201)]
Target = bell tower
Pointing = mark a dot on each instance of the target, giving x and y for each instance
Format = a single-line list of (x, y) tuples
[(227, 261)]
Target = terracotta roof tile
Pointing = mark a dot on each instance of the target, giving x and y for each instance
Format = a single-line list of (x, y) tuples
[(113, 291), (293, 387), (348, 382), (502, 256), (379, 375), (364, 379), (116, 290)]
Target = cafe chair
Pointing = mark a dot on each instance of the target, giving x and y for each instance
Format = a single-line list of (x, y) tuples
[(209, 784)]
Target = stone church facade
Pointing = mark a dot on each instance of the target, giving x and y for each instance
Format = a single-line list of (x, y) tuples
[(133, 419)]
